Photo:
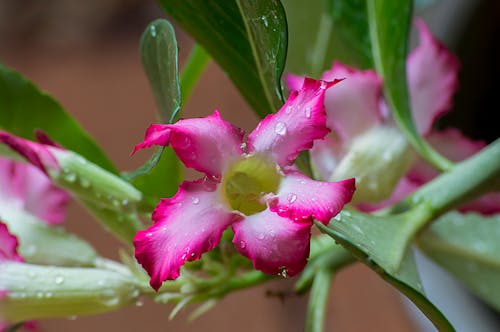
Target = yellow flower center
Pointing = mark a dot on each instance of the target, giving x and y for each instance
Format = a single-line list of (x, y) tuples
[(248, 181)]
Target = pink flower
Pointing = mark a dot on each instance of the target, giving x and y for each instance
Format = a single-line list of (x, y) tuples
[(8, 253), (366, 144), (252, 187), (25, 187)]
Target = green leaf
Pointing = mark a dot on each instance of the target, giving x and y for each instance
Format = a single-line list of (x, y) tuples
[(24, 108), (247, 39), (160, 175), (381, 244), (159, 57), (321, 31), (325, 254), (467, 245), (389, 23), (318, 299)]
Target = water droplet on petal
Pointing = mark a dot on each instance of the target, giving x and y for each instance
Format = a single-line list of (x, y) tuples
[(243, 244), (288, 109), (280, 128), (195, 200), (283, 273), (291, 198), (261, 236), (308, 112)]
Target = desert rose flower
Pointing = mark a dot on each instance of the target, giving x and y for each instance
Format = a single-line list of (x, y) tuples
[(365, 142), (250, 185)]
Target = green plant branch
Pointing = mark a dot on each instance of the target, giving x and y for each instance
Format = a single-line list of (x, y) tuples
[(191, 72), (318, 300)]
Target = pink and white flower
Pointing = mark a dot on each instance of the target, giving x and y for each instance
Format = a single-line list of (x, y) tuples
[(25, 187), (8, 254), (365, 142), (250, 185)]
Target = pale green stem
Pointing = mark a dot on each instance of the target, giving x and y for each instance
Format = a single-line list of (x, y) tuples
[(318, 299), (320, 47), (192, 70)]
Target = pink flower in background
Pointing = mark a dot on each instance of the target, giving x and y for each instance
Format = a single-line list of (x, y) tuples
[(361, 124), (25, 187), (251, 186)]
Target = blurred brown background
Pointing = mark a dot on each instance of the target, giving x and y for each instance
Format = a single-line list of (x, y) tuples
[(85, 54)]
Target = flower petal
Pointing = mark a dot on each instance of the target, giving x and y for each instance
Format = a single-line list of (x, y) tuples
[(37, 154), (185, 226), (205, 144), (300, 198), (325, 156), (8, 245), (294, 82), (432, 79), (274, 244), (354, 105), (23, 186), (295, 126), (404, 187)]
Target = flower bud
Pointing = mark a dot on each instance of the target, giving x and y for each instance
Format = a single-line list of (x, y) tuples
[(32, 291), (377, 159)]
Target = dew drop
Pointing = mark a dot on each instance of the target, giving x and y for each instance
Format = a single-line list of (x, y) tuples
[(139, 303), (260, 236), (264, 20), (70, 177), (291, 198), (288, 109), (195, 200), (85, 183), (59, 280), (308, 112), (243, 244), (280, 128)]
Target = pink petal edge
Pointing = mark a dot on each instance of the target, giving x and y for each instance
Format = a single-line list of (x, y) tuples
[(354, 105), (274, 244), (299, 198), (204, 144), (432, 79), (185, 226), (8, 245), (37, 154), (300, 121)]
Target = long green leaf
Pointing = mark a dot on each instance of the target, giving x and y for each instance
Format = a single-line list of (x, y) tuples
[(247, 39), (468, 246), (159, 57), (321, 31), (24, 108), (405, 278), (160, 175), (389, 23)]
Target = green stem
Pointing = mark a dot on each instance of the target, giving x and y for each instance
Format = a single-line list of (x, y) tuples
[(330, 256), (466, 181), (192, 70), (316, 309), (321, 44)]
